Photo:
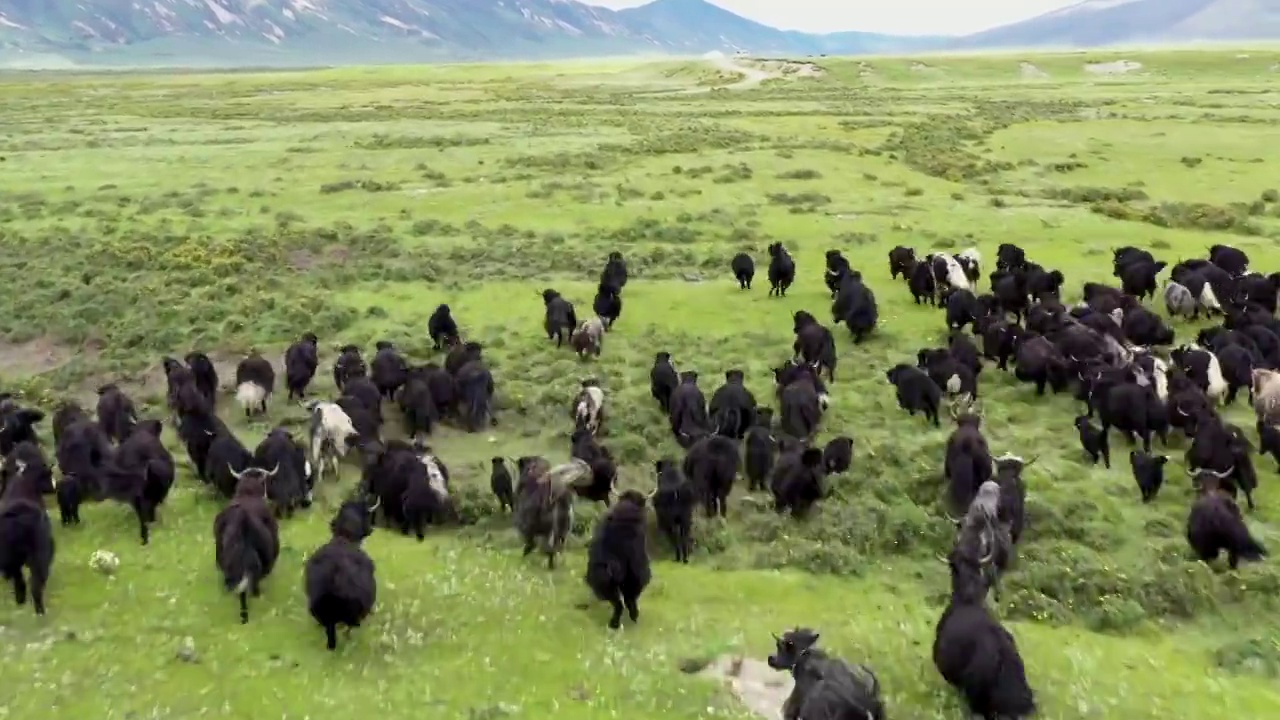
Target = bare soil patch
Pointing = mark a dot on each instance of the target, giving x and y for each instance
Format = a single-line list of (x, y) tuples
[(33, 357), (761, 689), (1028, 71), (1118, 67)]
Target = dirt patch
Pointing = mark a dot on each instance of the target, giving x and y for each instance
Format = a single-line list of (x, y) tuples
[(789, 68), (865, 70), (34, 357), (302, 260), (922, 68), (760, 688), (1119, 67), (1029, 71)]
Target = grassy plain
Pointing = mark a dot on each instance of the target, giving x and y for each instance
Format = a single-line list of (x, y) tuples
[(151, 215)]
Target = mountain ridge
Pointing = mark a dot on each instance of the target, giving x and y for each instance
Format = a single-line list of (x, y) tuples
[(407, 30), (231, 33)]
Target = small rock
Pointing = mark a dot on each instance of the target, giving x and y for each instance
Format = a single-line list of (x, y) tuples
[(187, 650), (690, 277)]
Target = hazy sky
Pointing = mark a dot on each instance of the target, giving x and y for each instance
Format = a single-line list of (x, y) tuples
[(904, 17)]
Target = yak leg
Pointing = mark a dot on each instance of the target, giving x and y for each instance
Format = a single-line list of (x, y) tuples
[(615, 620)]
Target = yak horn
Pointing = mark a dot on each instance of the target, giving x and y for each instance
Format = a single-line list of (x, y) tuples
[(274, 470), (236, 475), (22, 467), (940, 558), (651, 493), (1031, 462), (376, 505)]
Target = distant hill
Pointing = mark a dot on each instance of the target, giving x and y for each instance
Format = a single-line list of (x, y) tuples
[(313, 32), (1094, 23)]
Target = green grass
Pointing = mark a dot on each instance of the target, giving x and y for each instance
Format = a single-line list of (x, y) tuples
[(143, 216)]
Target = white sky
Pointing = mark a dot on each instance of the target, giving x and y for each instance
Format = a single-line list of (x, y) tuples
[(899, 17)]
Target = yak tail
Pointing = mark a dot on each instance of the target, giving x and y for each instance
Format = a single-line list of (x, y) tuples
[(250, 394)]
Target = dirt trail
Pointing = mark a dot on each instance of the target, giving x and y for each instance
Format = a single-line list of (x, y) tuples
[(751, 76)]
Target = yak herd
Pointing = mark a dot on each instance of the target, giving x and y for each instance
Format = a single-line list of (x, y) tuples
[(1101, 350)]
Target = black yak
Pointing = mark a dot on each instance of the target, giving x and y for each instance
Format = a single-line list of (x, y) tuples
[(441, 328), (825, 687), (26, 535), (247, 538), (617, 560), (255, 381), (300, 362), (975, 654), (673, 501), (744, 270), (339, 576)]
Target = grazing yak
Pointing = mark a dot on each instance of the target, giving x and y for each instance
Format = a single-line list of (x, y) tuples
[(825, 686), (26, 535), (673, 501), (802, 399), (733, 407), (348, 366), (300, 362), (388, 369), (617, 560), (560, 319), (417, 405), (968, 463), (1094, 442), (544, 503), (339, 576), (814, 344), (837, 455), (204, 374), (975, 654), (1148, 473), (663, 380), (711, 465), (761, 449), (1215, 525), (500, 484), (255, 381), (916, 391), (607, 304), (837, 269), (475, 395), (921, 283), (687, 410), (588, 339), (797, 482), (442, 329), (588, 407), (411, 486), (331, 433), (1179, 302), (247, 538), (782, 270), (116, 414), (290, 487), (901, 260), (615, 271), (855, 306), (744, 270), (604, 471), (18, 425)]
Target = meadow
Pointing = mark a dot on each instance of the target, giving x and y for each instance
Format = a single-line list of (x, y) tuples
[(146, 215)]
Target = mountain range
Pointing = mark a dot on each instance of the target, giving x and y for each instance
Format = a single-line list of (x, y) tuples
[(333, 32)]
